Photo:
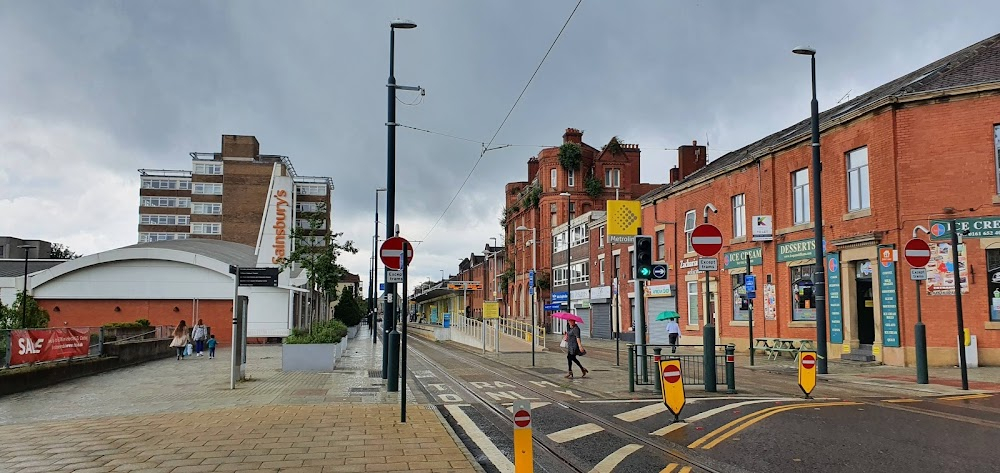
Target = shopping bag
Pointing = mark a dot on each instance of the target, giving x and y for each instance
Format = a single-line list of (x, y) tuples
[(188, 349), (562, 344)]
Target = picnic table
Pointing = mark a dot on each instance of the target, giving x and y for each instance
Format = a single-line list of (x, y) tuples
[(775, 347)]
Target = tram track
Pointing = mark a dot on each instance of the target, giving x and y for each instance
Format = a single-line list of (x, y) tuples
[(677, 454)]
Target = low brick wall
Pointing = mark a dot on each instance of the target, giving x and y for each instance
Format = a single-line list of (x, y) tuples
[(117, 355)]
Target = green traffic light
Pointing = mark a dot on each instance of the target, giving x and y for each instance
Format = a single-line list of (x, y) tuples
[(645, 271)]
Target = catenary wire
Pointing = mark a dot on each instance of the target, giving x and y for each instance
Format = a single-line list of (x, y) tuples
[(504, 122)]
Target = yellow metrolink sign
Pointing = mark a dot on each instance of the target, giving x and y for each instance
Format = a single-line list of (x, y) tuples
[(624, 217), (491, 310)]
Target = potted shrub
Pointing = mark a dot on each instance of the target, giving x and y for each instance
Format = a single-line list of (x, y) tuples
[(314, 350), (349, 312)]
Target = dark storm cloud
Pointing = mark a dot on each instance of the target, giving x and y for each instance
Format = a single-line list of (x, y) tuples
[(114, 86)]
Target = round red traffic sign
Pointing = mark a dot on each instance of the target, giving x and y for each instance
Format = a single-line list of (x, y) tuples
[(522, 418), (392, 249), (917, 252), (671, 373), (706, 239), (808, 361)]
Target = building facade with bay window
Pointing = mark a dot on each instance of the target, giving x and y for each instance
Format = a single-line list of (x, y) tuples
[(917, 151)]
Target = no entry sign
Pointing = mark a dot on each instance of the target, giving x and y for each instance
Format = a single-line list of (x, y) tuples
[(807, 372), (672, 386), (808, 362), (706, 239), (392, 249), (522, 419), (917, 253), (671, 373)]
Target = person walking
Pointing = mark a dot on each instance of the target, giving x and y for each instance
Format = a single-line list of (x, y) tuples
[(574, 347), (199, 333), (673, 334), (180, 340), (211, 347)]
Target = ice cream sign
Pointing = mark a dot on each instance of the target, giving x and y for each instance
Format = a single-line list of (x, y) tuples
[(973, 227)]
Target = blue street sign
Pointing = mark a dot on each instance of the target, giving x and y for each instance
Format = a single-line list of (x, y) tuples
[(381, 286), (552, 306), (660, 271), (531, 291), (560, 296), (751, 283), (531, 279), (751, 295)]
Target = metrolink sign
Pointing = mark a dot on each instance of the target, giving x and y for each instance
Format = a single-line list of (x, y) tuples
[(974, 227)]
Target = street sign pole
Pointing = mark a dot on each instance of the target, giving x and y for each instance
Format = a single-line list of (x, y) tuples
[(917, 253), (707, 241), (405, 317), (958, 305), (618, 334), (750, 306), (920, 331), (236, 310), (640, 318)]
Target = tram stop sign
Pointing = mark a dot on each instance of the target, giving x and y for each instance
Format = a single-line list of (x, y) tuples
[(807, 372), (673, 386), (917, 253)]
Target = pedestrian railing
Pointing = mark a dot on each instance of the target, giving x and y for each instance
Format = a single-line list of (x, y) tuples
[(645, 372), (522, 330), (472, 332)]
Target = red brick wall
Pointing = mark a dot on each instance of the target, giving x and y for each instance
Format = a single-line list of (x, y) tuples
[(93, 313)]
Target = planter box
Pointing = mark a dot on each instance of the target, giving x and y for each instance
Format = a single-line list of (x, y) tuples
[(342, 348), (353, 331), (319, 357)]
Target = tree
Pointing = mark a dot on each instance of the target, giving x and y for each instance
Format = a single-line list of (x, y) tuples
[(60, 251), (35, 316), (570, 156), (348, 311)]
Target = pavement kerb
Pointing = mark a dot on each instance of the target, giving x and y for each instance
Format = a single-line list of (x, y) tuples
[(853, 379), (461, 445)]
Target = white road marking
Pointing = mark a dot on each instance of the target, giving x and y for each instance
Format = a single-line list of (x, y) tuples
[(574, 433), (482, 441), (567, 392), (608, 464), (698, 399), (534, 405), (642, 412), (711, 412)]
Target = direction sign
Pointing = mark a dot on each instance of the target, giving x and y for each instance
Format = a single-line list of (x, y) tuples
[(807, 372), (259, 276), (708, 264), (522, 419), (917, 252), (659, 271), (706, 239), (672, 386), (531, 278), (918, 274), (394, 277), (392, 249), (750, 281)]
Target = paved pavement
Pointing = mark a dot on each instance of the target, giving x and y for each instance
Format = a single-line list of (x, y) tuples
[(180, 416)]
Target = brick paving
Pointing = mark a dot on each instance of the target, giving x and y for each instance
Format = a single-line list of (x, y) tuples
[(180, 416)]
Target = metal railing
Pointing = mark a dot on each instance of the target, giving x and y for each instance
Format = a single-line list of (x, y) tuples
[(522, 330), (692, 364), (474, 332)]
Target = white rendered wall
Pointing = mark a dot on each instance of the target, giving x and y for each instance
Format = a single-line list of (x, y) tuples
[(138, 279)]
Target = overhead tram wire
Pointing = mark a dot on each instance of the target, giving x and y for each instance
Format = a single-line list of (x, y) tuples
[(480, 142), (486, 147)]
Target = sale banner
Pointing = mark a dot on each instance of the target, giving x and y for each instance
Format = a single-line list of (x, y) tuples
[(32, 346)]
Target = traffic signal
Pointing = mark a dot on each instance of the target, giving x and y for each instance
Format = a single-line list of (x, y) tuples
[(643, 257)]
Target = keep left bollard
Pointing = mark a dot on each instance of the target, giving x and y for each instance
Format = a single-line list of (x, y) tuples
[(524, 461), (731, 369)]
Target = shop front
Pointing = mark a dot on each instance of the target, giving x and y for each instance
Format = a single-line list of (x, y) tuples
[(600, 313)]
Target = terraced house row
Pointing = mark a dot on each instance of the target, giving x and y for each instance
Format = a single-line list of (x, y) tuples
[(916, 151)]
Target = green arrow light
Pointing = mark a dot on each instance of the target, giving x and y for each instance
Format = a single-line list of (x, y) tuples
[(645, 271)]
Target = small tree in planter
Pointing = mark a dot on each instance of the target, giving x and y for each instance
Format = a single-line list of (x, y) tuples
[(348, 311), (315, 350)]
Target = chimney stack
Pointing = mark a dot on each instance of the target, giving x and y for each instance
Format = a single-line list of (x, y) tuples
[(573, 135), (532, 168), (675, 174), (691, 158)]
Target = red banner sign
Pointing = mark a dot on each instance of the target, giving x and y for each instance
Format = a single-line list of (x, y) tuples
[(32, 346)]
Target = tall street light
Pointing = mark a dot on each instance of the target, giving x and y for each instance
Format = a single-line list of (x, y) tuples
[(390, 366), (569, 272), (534, 256), (819, 277), (373, 280), (24, 294)]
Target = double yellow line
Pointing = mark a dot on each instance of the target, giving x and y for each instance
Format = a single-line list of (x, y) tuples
[(722, 433)]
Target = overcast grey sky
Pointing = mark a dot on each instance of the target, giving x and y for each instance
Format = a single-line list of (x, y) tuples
[(91, 91)]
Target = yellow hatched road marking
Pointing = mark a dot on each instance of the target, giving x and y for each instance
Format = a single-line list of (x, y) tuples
[(686, 469), (900, 401), (608, 464), (722, 433), (964, 397), (670, 468)]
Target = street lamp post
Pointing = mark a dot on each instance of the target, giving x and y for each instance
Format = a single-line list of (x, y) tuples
[(390, 351), (373, 285), (534, 257), (819, 277), (24, 294), (569, 271)]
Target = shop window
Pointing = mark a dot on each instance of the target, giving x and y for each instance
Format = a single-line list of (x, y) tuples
[(803, 299), (741, 305), (993, 276)]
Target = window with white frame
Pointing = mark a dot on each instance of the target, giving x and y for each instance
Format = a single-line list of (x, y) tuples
[(558, 242), (146, 237), (613, 178), (207, 188), (165, 183), (600, 267), (206, 208), (213, 169), (553, 177), (310, 189), (204, 228), (559, 276), (739, 216), (181, 202), (571, 178), (692, 295), (858, 191), (660, 246), (307, 207), (600, 232), (689, 223), (306, 225), (164, 219), (580, 235), (580, 273), (800, 195), (313, 240)]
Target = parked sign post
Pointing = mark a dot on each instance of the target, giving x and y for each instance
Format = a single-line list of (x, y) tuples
[(523, 455), (672, 386), (807, 372), (706, 239), (918, 253)]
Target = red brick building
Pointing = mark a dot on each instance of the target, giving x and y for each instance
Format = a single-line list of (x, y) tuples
[(538, 203), (918, 150)]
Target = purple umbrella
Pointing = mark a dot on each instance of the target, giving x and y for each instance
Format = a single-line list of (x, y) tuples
[(567, 316)]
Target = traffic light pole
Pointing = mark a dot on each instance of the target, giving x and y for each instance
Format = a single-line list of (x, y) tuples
[(640, 300)]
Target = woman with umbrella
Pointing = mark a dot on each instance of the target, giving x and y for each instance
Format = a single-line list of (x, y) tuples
[(572, 342), (673, 328)]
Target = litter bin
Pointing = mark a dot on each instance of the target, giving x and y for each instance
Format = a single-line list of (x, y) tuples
[(447, 320)]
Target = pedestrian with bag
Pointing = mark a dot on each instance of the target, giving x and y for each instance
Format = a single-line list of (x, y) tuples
[(180, 341), (199, 333), (673, 334), (574, 347)]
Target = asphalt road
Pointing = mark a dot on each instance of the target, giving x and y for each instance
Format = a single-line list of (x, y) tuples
[(577, 431)]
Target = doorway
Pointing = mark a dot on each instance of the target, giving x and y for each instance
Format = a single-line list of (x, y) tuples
[(866, 311)]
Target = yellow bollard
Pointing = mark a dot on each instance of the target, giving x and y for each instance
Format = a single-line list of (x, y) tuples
[(807, 372), (524, 461), (672, 386)]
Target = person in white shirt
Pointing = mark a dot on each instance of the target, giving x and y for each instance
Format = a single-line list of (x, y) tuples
[(673, 334)]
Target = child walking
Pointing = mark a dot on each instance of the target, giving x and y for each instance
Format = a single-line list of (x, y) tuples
[(211, 347)]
